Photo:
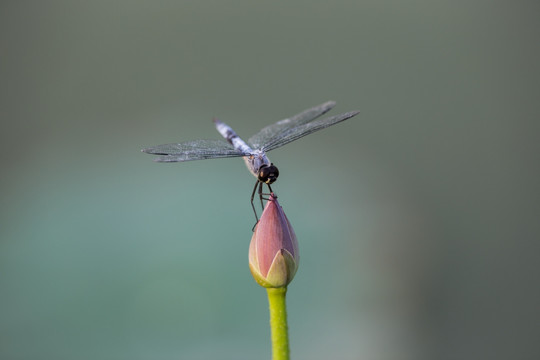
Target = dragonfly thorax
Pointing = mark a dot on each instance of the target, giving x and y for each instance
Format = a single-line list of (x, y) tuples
[(268, 174), (255, 161)]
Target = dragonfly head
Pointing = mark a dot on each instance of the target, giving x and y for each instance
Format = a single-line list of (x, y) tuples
[(268, 174)]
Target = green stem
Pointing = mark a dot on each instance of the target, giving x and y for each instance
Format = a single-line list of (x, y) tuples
[(278, 323)]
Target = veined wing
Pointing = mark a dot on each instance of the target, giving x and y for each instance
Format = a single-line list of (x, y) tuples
[(306, 129), (272, 133), (193, 150)]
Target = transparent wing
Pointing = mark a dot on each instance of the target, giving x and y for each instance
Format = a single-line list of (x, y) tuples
[(306, 129), (275, 131), (193, 150)]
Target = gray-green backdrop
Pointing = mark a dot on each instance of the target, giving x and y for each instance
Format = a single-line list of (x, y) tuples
[(417, 220)]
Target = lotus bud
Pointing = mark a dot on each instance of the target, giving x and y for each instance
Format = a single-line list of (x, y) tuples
[(273, 251)]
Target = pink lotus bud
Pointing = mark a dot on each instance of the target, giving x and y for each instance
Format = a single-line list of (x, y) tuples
[(273, 251)]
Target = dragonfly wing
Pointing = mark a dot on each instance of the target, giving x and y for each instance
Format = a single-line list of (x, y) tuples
[(193, 150), (275, 131), (191, 157), (306, 129)]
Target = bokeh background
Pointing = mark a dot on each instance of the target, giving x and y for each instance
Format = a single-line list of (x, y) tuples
[(418, 220)]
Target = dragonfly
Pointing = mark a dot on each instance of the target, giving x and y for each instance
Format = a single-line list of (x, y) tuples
[(254, 150)]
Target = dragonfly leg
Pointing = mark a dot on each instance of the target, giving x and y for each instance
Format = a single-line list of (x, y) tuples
[(271, 193), (261, 194), (252, 205), (261, 198)]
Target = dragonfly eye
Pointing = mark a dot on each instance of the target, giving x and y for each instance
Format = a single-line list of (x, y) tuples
[(268, 173)]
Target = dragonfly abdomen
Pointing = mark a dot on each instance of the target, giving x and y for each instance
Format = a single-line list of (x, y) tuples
[(228, 133)]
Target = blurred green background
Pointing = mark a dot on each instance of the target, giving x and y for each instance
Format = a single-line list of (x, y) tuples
[(418, 220)]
